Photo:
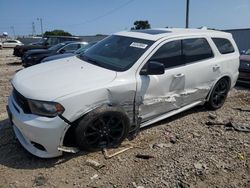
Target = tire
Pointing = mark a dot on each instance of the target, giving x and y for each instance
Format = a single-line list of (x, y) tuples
[(218, 95), (104, 127)]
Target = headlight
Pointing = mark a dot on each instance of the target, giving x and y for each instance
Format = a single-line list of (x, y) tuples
[(43, 108)]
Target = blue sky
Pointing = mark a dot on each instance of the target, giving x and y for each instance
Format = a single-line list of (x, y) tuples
[(89, 17)]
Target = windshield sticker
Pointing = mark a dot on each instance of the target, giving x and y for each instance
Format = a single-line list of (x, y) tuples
[(138, 45)]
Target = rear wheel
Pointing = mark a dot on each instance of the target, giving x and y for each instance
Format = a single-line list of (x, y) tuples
[(218, 94), (102, 128)]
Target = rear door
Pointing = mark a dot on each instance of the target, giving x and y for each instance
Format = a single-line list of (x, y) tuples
[(201, 68)]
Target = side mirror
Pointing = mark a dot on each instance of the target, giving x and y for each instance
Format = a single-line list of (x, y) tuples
[(153, 68)]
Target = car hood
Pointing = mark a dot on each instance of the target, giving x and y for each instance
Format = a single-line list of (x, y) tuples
[(49, 81)]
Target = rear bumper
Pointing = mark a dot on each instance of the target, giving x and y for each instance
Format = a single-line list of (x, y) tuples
[(244, 76), (41, 136)]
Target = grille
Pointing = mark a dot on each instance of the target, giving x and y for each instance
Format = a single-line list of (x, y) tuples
[(21, 101)]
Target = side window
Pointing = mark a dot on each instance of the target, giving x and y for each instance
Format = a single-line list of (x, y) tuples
[(224, 45), (169, 54), (71, 47), (52, 41), (82, 45), (196, 49)]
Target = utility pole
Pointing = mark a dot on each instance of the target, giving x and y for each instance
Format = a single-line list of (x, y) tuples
[(33, 29), (41, 23), (187, 14), (13, 30)]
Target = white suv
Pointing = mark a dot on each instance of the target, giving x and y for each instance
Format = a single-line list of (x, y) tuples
[(126, 81)]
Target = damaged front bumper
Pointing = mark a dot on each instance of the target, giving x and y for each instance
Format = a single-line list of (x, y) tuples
[(41, 136)]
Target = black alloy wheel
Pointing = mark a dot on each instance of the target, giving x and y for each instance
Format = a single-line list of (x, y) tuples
[(102, 129), (105, 131), (219, 94)]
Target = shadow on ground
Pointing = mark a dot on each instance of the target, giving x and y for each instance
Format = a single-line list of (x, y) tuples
[(13, 155)]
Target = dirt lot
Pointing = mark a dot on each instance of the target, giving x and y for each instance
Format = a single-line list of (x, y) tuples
[(185, 151)]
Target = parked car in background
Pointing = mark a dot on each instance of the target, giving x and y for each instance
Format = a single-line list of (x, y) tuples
[(11, 43), (244, 76), (77, 52), (33, 57), (47, 42), (1, 45), (129, 80)]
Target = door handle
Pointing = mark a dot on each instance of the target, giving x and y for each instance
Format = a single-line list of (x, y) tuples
[(179, 75), (216, 67)]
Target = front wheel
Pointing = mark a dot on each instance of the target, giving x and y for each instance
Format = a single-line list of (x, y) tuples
[(102, 128), (218, 94)]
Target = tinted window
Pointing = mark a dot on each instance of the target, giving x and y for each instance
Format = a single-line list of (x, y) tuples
[(57, 46), (10, 41), (52, 41), (196, 49), (71, 47), (223, 45), (169, 54)]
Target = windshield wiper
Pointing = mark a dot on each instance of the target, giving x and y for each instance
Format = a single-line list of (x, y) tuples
[(93, 61)]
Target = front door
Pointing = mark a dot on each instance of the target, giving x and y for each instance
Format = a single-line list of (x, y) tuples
[(159, 94)]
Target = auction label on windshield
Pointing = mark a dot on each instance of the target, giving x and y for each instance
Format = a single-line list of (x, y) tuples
[(138, 45)]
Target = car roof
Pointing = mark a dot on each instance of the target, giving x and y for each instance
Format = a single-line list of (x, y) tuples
[(78, 42), (158, 33), (55, 36)]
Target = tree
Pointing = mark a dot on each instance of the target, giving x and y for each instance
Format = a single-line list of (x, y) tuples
[(141, 24), (58, 32)]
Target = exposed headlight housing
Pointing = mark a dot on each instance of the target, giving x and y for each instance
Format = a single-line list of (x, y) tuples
[(44, 108)]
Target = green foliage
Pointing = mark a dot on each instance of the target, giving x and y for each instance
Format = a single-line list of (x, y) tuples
[(58, 32), (141, 24)]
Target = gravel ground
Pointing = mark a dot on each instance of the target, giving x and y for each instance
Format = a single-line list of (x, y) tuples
[(183, 151)]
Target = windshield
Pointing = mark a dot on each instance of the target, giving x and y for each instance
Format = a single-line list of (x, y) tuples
[(56, 47), (117, 53), (247, 52), (84, 48)]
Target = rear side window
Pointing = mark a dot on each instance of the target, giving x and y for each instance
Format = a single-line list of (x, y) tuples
[(170, 54), (224, 45), (196, 49)]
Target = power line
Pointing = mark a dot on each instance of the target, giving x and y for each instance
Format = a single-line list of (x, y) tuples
[(100, 16)]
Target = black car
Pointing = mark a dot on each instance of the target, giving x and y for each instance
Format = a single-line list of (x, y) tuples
[(46, 42), (33, 57), (77, 52)]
